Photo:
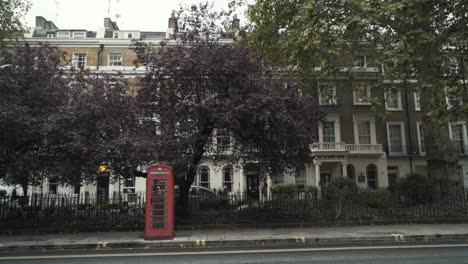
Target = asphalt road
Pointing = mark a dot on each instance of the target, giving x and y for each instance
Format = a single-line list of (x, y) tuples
[(401, 255)]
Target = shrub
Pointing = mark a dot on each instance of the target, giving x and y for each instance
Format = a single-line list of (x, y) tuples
[(311, 188), (415, 189), (3, 193), (340, 189), (283, 188), (378, 198)]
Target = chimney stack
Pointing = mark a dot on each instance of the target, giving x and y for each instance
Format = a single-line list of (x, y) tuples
[(172, 27), (45, 24), (110, 25), (235, 23)]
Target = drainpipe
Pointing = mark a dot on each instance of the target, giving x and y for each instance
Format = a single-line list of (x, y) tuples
[(410, 138), (101, 48)]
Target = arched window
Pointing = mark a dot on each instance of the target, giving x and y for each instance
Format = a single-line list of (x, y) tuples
[(204, 177), (350, 171), (227, 179), (371, 172)]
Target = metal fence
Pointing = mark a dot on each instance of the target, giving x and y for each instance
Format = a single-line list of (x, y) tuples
[(125, 211), (326, 207), (81, 212)]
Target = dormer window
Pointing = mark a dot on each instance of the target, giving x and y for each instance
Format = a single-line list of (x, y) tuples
[(63, 34), (116, 34), (50, 35), (79, 34), (129, 35)]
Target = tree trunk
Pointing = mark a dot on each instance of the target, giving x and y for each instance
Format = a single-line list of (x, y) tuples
[(24, 184), (184, 199), (442, 159), (441, 154)]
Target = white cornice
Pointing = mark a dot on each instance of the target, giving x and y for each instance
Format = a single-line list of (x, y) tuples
[(94, 42)]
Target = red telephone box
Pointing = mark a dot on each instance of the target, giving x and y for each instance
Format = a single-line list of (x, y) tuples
[(159, 222)]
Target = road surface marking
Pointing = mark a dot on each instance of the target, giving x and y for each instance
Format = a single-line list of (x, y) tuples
[(300, 240), (200, 242), (398, 237), (260, 251)]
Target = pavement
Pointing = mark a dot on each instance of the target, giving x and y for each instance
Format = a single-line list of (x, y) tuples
[(238, 238)]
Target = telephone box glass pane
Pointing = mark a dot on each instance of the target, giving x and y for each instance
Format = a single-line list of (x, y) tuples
[(159, 200)]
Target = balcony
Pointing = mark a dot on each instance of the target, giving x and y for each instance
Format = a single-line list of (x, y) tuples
[(328, 147), (319, 147), (364, 148)]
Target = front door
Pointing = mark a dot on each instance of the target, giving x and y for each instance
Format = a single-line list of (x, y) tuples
[(103, 187), (392, 172), (325, 179), (252, 186)]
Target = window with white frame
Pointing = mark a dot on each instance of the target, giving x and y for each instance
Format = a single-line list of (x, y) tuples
[(451, 66), (204, 177), (417, 101), (129, 185), (371, 172), (115, 59), (227, 179), (421, 138), (223, 139), (396, 140), (327, 93), (53, 186), (79, 34), (364, 132), (328, 132), (79, 60), (360, 61), (458, 136), (361, 93), (63, 34), (453, 97), (384, 68), (301, 179), (393, 98)]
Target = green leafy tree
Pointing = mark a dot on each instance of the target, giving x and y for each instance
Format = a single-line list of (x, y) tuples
[(11, 14), (418, 40)]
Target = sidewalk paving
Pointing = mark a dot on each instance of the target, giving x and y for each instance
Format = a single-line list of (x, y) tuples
[(241, 237)]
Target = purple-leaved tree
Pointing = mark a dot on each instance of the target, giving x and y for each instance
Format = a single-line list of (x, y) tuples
[(200, 82)]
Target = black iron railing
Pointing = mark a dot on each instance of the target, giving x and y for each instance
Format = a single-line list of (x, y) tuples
[(126, 211)]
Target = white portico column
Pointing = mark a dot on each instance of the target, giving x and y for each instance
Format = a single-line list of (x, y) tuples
[(344, 166), (241, 186), (317, 173), (269, 182)]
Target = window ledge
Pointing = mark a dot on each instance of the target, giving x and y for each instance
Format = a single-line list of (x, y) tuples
[(397, 154)]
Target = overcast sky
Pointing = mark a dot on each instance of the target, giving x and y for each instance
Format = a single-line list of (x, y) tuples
[(149, 15)]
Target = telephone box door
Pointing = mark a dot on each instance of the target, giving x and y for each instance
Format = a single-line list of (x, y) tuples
[(159, 222)]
